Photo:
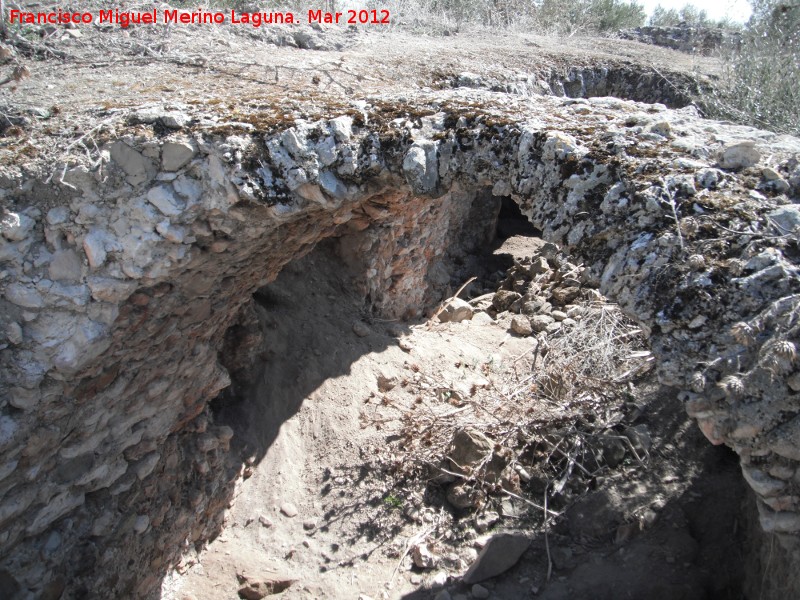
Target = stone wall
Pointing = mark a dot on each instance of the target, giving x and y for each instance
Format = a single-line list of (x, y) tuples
[(686, 38), (121, 278), (672, 89)]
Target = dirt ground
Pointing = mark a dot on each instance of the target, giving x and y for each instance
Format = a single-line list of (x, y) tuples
[(78, 80), (328, 433)]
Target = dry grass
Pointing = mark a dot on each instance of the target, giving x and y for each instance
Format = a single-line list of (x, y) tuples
[(548, 417)]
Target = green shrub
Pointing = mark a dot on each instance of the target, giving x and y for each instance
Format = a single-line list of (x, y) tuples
[(588, 16), (760, 84), (670, 17), (559, 16)]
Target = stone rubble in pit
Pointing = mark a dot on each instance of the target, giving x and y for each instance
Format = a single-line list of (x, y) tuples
[(109, 362)]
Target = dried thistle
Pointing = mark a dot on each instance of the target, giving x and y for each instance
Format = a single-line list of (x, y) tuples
[(697, 262), (733, 385), (785, 349), (20, 72), (779, 356), (743, 333), (736, 266), (6, 53), (697, 382)]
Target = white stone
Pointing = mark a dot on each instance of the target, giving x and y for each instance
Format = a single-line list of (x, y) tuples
[(777, 522), (14, 333), (697, 322), (188, 188), (422, 556), (174, 120), (163, 198), (420, 167), (137, 168), (456, 310), (141, 524), (787, 218), (175, 155), (341, 127), (482, 318), (740, 156), (95, 248), (58, 215), (176, 235), (15, 227), (311, 192), (56, 508), (762, 484), (145, 466), (24, 399), (65, 266), (332, 185), (521, 325), (23, 295)]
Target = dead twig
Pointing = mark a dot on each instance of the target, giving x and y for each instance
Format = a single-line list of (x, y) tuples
[(413, 541), (546, 537)]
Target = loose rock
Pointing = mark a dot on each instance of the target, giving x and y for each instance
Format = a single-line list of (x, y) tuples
[(499, 554), (360, 329), (521, 325), (456, 310)]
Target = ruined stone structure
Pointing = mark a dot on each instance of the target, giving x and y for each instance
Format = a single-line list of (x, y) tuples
[(686, 38), (126, 280)]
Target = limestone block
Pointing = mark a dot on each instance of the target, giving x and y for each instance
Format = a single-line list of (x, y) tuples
[(65, 266), (138, 169), (740, 156), (175, 155)]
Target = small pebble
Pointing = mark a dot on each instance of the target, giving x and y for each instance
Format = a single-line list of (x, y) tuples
[(360, 329), (478, 591), (265, 520), (289, 509), (309, 525)]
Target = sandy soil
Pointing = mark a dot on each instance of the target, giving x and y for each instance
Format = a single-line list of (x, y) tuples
[(324, 436)]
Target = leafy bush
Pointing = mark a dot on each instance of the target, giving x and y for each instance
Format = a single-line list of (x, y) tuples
[(561, 16), (670, 17), (760, 85), (589, 16)]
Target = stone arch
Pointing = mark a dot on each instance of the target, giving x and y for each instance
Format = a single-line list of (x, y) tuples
[(109, 366)]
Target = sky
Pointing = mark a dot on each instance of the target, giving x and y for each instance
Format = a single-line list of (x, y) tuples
[(738, 10)]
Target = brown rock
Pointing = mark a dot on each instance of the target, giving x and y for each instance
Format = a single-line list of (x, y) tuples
[(521, 326), (499, 554), (257, 589), (504, 299), (462, 495), (562, 296), (468, 449)]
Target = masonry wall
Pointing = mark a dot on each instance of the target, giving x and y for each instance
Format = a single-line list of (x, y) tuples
[(120, 281)]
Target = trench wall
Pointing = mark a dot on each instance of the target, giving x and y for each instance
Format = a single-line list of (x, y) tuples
[(121, 279)]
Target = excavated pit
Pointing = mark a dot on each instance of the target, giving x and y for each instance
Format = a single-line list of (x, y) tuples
[(132, 299), (286, 401)]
